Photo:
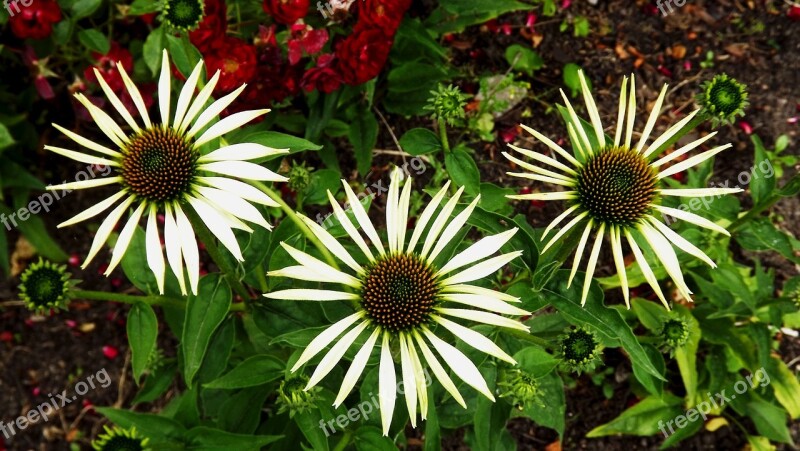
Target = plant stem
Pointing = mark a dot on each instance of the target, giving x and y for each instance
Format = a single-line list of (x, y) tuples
[(443, 136), (755, 211), (162, 301), (299, 222), (531, 338), (213, 250), (344, 441)]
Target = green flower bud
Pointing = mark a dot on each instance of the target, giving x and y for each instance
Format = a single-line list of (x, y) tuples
[(580, 350), (117, 439), (722, 99), (299, 178), (518, 387), (293, 397), (675, 332), (183, 15), (45, 286), (447, 103)]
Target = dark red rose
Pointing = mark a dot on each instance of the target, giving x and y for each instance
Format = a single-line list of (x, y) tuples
[(107, 65), (34, 21), (213, 25), (287, 11), (383, 14), (361, 56), (236, 60), (323, 77), (306, 40)]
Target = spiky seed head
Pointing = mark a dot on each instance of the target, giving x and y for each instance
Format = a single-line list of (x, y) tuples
[(44, 286), (675, 332), (580, 350), (294, 398), (447, 103), (518, 387), (722, 99), (183, 14), (118, 439), (299, 177)]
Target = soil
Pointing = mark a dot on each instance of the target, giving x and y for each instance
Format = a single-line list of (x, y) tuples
[(750, 42)]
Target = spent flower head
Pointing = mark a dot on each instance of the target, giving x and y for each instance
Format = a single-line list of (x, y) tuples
[(45, 285), (579, 350), (294, 398), (118, 439), (183, 15), (447, 103), (675, 332), (518, 387), (299, 177), (722, 99)]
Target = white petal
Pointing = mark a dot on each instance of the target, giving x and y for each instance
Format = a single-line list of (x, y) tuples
[(387, 385), (553, 146), (452, 229), (691, 162), (474, 339), (332, 244), (241, 189), (537, 169), (356, 368), (186, 94), (576, 261), (669, 134), (104, 121), (229, 124), (115, 102), (242, 170), (631, 112), (348, 226), (478, 251), (243, 151), (105, 229), (619, 262), (300, 272), (577, 124), (591, 107), (481, 269), (135, 95), (321, 267), (561, 195), (460, 364), (86, 184), (155, 256), (651, 121), (543, 159), (439, 371), (89, 144), (681, 242), (213, 111), (218, 225), (691, 217), (558, 220), (172, 242), (325, 338), (81, 157), (671, 156), (402, 215), (124, 239), (164, 88), (587, 281), (542, 178), (621, 113), (392, 201), (576, 142), (645, 267), (233, 205), (200, 101), (409, 381), (335, 354), (483, 317), (665, 253), (480, 291), (439, 222), (362, 218), (564, 230), (94, 210), (189, 249), (302, 294), (426, 215), (420, 376)]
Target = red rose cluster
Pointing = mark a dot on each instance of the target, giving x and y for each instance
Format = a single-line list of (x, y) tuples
[(33, 19)]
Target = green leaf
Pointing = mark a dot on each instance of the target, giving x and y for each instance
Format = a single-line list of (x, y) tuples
[(35, 231), (785, 384), (156, 383), (218, 352), (490, 417), (152, 50), (209, 439), (653, 385), (761, 187), (536, 361), (148, 424), (770, 420), (142, 333), (642, 419), (94, 41), (463, 170), (433, 434), (241, 413), (309, 423), (523, 59), (6, 139), (322, 181), (141, 7), (370, 438), (456, 15), (572, 80), (276, 140), (686, 355), (420, 141), (363, 136), (84, 8), (204, 313), (650, 314), (134, 264), (182, 53), (551, 393), (256, 370)]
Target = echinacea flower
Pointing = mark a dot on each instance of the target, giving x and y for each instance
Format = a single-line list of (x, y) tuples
[(118, 439), (403, 299), (613, 188), (164, 168)]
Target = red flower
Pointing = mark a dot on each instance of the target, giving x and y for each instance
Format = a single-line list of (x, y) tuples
[(383, 14), (213, 25), (362, 55), (287, 11), (34, 21), (235, 59), (305, 39), (107, 65), (323, 77)]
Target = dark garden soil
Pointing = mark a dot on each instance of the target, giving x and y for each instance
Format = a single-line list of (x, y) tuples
[(45, 355)]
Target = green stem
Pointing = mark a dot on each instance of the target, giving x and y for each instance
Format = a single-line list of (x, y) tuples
[(345, 440), (755, 211), (531, 338), (299, 222), (224, 265), (699, 119), (443, 136), (162, 301)]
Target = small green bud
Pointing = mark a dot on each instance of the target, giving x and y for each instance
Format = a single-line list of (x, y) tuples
[(118, 439), (722, 99), (293, 397), (519, 387), (447, 103), (45, 286), (580, 350), (183, 15), (675, 332), (299, 177)]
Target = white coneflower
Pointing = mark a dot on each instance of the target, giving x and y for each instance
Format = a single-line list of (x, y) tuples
[(613, 187), (160, 168), (403, 299)]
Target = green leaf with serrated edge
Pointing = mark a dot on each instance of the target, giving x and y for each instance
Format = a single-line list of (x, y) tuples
[(204, 313), (642, 419), (142, 328), (256, 370)]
